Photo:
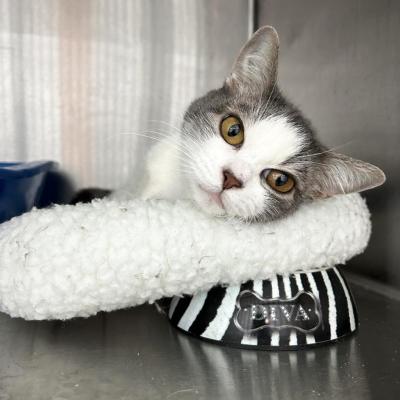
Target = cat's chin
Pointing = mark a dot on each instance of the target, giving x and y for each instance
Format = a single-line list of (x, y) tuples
[(212, 210), (208, 202), (212, 203)]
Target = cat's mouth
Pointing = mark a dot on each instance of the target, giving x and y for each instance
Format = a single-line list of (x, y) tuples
[(214, 197)]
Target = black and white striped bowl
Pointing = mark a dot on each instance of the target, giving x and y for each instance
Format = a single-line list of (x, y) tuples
[(283, 313)]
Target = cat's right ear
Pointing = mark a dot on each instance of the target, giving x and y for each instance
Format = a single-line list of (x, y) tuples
[(255, 70), (340, 174)]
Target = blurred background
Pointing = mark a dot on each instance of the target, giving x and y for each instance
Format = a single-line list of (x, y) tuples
[(80, 79)]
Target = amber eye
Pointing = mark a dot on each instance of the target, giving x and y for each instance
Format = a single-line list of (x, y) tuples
[(232, 130), (278, 180)]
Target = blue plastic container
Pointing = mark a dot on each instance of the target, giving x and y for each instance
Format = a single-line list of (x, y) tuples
[(21, 185)]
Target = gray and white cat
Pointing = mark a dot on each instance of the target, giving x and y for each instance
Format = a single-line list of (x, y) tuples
[(245, 151)]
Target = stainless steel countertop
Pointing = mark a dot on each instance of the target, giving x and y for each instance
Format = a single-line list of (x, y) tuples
[(136, 354)]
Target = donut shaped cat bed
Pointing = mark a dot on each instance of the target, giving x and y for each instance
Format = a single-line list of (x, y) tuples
[(74, 261)]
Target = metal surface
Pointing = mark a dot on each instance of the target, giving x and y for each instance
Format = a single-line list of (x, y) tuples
[(136, 354), (339, 63)]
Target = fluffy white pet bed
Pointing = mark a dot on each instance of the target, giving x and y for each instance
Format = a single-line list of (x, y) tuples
[(71, 261)]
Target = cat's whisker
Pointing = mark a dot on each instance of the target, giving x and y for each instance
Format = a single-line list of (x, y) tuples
[(163, 135), (306, 163), (176, 145), (187, 170), (168, 124), (177, 140), (196, 143), (185, 137), (331, 150)]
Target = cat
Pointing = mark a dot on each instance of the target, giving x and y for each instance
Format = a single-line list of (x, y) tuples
[(245, 151)]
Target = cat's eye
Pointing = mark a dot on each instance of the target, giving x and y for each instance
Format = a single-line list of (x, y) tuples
[(232, 131), (278, 180)]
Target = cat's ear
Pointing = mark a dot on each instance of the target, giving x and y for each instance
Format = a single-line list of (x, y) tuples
[(340, 174), (255, 69)]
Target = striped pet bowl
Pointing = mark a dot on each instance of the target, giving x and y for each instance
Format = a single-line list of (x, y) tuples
[(286, 312)]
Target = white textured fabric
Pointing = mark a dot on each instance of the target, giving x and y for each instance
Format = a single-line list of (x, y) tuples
[(72, 261)]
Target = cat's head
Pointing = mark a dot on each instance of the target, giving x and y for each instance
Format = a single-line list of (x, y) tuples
[(252, 154)]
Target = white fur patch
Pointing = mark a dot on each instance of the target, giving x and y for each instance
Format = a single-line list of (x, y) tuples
[(270, 142)]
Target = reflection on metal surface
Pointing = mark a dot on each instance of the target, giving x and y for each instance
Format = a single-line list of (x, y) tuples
[(288, 375), (137, 354)]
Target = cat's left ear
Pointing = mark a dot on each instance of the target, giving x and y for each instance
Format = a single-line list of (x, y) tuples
[(255, 70), (340, 174)]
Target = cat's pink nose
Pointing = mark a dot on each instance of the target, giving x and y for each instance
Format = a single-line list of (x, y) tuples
[(230, 181)]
